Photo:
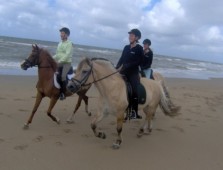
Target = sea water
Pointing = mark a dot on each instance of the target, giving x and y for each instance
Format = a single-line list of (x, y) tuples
[(14, 50)]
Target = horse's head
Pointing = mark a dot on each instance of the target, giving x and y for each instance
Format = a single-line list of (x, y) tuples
[(33, 58), (82, 76)]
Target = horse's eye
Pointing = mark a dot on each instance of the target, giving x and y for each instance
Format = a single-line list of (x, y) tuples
[(84, 71)]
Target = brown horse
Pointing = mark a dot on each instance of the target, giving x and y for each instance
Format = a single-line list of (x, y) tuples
[(45, 86)]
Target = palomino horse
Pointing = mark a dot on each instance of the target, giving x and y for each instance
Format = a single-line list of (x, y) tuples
[(45, 85), (113, 95)]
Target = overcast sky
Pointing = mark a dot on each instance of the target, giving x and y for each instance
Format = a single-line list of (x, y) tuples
[(180, 28)]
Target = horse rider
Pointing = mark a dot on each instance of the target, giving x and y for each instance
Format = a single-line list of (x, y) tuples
[(129, 63), (63, 57), (147, 60)]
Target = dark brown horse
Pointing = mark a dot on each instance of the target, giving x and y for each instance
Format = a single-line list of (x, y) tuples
[(45, 86)]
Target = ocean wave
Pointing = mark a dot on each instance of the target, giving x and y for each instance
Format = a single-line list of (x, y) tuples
[(196, 69), (97, 51), (9, 64), (20, 43)]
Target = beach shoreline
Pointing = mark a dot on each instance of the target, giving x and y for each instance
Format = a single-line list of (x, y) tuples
[(190, 141)]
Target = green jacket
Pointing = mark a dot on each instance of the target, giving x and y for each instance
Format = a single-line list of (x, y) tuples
[(64, 52)]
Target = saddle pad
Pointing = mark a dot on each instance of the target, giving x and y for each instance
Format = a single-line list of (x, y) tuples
[(55, 78), (141, 94)]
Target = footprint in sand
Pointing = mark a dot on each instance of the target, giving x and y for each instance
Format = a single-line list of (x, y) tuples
[(160, 130), (187, 119), (212, 109), (134, 128), (59, 143), (18, 99), (112, 123), (1, 113), (114, 134), (67, 130), (208, 116), (21, 147), (179, 129), (2, 140), (38, 139), (2, 98), (193, 125), (23, 110), (85, 136)]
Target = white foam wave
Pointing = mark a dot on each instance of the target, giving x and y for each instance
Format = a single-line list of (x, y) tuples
[(9, 64), (196, 69), (20, 43), (97, 51)]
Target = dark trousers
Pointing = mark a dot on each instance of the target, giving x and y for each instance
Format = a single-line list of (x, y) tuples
[(134, 80)]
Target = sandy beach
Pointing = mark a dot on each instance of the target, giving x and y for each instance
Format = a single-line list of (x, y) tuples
[(191, 141)]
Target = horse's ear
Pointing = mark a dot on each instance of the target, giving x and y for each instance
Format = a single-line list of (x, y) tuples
[(35, 47), (88, 60)]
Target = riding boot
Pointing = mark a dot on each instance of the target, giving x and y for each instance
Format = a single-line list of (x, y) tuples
[(134, 113), (63, 90), (151, 76)]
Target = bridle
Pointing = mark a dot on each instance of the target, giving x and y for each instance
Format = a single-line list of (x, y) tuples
[(81, 83), (36, 62)]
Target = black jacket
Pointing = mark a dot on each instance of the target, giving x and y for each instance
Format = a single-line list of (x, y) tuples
[(131, 59), (147, 60)]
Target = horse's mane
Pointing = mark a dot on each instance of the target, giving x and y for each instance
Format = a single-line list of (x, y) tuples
[(50, 59), (104, 61)]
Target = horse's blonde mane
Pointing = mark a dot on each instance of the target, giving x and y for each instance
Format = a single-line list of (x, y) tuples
[(105, 62)]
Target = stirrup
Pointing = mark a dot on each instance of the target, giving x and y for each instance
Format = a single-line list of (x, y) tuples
[(62, 96), (134, 115)]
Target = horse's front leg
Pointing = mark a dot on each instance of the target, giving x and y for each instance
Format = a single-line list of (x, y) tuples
[(85, 98), (39, 98), (53, 101), (118, 142), (71, 118)]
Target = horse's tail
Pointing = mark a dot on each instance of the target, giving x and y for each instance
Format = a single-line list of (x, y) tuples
[(166, 104)]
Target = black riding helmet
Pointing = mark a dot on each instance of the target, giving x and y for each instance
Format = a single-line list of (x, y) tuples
[(66, 30), (147, 41), (136, 32)]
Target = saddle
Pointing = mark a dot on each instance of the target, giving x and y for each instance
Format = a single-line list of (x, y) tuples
[(57, 77), (141, 92)]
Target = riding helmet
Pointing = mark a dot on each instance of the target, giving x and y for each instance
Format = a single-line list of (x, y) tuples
[(136, 32), (66, 30), (147, 41)]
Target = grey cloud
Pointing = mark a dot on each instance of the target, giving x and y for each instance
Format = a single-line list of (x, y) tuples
[(176, 27)]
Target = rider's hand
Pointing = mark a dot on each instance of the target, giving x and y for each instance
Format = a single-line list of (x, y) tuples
[(120, 68)]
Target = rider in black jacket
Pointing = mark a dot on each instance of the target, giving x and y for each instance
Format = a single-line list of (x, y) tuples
[(147, 60), (130, 61)]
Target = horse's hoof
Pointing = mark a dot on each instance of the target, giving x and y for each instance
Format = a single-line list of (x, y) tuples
[(69, 121), (89, 114), (116, 146), (102, 135), (58, 121), (26, 126)]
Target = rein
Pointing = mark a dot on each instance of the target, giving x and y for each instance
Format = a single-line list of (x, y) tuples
[(82, 82), (95, 81)]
